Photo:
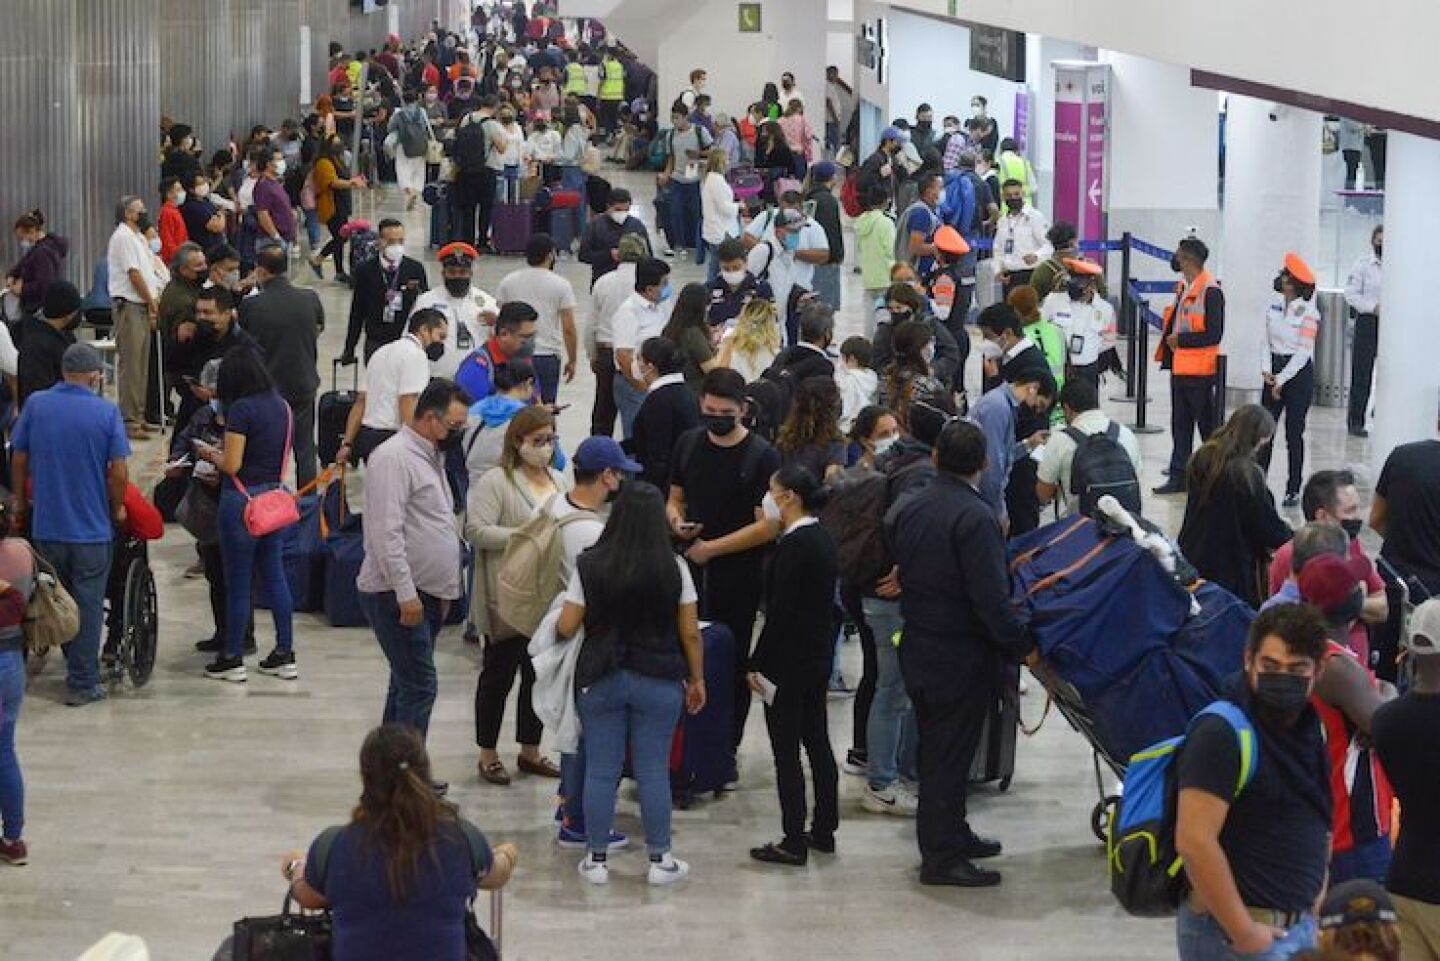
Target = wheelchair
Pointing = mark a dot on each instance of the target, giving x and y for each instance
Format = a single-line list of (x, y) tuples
[(132, 618)]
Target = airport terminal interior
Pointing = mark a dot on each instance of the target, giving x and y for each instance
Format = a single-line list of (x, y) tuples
[(165, 810)]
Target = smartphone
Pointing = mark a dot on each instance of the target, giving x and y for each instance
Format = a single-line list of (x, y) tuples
[(189, 380)]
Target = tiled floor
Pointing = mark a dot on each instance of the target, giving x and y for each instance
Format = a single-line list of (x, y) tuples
[(164, 812)]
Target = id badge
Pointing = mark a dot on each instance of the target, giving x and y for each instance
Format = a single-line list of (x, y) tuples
[(692, 171), (394, 304), (1009, 246), (1077, 345)]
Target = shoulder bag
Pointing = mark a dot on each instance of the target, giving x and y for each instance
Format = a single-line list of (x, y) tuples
[(273, 510), (52, 617)]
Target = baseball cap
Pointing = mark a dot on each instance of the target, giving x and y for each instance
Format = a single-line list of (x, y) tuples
[(1425, 628), (603, 453), (1329, 582), (891, 133), (1361, 901), (61, 299), (822, 171), (81, 359)]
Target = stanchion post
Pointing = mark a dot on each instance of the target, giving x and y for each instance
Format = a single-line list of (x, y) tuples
[(1141, 368), (1127, 310), (1222, 377)]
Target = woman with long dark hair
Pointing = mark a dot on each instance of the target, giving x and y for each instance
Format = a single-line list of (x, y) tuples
[(909, 376), (1231, 526), (773, 156), (639, 664), (790, 668), (770, 102), (689, 330), (810, 436), (399, 878)]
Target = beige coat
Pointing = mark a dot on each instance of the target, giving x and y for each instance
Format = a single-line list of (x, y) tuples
[(497, 504)]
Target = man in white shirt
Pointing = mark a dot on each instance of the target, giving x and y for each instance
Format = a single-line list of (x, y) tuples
[(787, 258), (643, 315), (788, 91), (553, 298), (1086, 320), (390, 385), (1362, 293), (470, 311), (1081, 402), (136, 308), (1020, 238), (609, 292)]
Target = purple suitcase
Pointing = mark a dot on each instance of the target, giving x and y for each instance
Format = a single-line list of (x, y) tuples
[(511, 226)]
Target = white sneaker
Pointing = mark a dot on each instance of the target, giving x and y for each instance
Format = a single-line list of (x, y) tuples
[(893, 800), (668, 871), (596, 872)]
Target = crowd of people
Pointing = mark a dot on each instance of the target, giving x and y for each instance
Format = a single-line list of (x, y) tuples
[(755, 449)]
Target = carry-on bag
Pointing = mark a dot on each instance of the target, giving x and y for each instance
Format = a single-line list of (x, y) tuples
[(701, 760), (995, 757), (333, 412), (511, 225)]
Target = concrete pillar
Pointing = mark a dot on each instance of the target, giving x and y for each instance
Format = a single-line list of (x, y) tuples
[(1272, 205), (194, 84), (1407, 380)]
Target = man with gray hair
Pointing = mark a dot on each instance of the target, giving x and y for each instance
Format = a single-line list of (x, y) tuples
[(1313, 539), (71, 442), (135, 308), (807, 357)]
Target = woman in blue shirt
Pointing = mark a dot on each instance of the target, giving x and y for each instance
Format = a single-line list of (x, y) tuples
[(399, 878)]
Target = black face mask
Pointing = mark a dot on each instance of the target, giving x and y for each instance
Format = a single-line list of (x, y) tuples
[(1279, 284), (451, 441), (1378, 249), (898, 317), (1076, 289), (527, 348), (457, 286), (1175, 263), (435, 351), (1353, 527), (1281, 696), (721, 425), (74, 322), (1015, 204)]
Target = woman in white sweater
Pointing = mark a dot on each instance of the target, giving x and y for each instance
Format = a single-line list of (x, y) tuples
[(719, 209)]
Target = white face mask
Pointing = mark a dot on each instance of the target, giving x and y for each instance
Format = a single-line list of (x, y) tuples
[(395, 253), (989, 350), (884, 444), (202, 191), (770, 508), (155, 244), (620, 216), (180, 198), (976, 110), (280, 167), (732, 277)]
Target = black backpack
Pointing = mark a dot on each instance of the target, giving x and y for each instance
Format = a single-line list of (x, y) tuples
[(471, 146), (1100, 466), (855, 516)]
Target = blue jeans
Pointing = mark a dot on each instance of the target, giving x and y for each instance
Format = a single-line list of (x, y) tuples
[(625, 709), (574, 178), (826, 284), (12, 783), (1200, 938), (411, 653), (572, 789), (712, 263), (890, 731), (547, 372), (85, 571), (685, 214), (312, 230), (627, 402), (246, 558), (1369, 860)]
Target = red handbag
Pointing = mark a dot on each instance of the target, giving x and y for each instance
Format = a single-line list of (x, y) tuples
[(273, 510)]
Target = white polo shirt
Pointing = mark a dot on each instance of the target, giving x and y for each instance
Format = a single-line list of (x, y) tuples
[(129, 250), (635, 322), (398, 368), (471, 318)]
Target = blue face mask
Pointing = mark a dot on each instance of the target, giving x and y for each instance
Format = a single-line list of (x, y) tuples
[(792, 242), (666, 293)]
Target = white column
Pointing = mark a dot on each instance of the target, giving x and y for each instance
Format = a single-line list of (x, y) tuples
[(1272, 205), (1407, 378)]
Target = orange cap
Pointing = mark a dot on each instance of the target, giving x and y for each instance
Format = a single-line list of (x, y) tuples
[(460, 252), (1299, 269), (949, 241), (1087, 268)]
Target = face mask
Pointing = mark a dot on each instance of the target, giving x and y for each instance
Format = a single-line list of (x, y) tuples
[(1281, 695), (770, 508), (537, 456), (1075, 289), (457, 286), (620, 216), (202, 191), (792, 242), (180, 198), (720, 425), (989, 350), (431, 98), (1378, 249), (435, 351), (231, 279), (1353, 527), (395, 253), (926, 121), (1279, 284), (883, 445), (26, 246), (976, 110), (451, 440), (898, 317), (155, 244), (732, 278), (1015, 204), (666, 293), (950, 128), (1175, 263), (280, 167)]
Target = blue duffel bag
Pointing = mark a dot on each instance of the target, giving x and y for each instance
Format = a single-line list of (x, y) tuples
[(1156, 701), (302, 551), (1213, 641), (344, 553)]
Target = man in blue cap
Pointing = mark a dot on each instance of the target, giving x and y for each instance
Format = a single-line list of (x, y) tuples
[(882, 168), (826, 280)]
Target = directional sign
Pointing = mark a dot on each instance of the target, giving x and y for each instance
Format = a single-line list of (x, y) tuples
[(1082, 105)]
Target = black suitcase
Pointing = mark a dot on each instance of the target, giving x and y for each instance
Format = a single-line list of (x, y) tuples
[(334, 411), (995, 757), (441, 211)]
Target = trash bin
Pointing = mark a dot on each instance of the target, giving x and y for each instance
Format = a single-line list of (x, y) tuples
[(1332, 349)]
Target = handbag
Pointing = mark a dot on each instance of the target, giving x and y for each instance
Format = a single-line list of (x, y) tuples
[(52, 617), (273, 510), (287, 936)]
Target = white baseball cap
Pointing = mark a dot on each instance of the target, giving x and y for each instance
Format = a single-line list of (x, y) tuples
[(1425, 628)]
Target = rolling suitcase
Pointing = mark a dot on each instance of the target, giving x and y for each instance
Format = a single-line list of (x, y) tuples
[(511, 226), (700, 757), (332, 413), (440, 214), (995, 756)]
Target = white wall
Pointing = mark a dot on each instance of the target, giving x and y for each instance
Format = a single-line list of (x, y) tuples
[(930, 64), (1377, 55)]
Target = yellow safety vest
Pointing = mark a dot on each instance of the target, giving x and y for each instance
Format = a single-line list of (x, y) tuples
[(1012, 166), (575, 79), (612, 87)]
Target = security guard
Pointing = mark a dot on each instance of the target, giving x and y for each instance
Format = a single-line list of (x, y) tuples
[(1086, 319), (574, 75), (612, 91), (1288, 367), (471, 312), (1190, 350)]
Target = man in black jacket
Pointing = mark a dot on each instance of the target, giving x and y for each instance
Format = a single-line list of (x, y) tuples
[(215, 333), (43, 338), (808, 357), (385, 292), (286, 322), (959, 633), (600, 243)]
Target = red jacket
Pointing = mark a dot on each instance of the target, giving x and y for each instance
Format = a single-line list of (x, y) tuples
[(172, 231)]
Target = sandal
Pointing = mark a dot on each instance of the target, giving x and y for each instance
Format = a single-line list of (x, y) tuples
[(495, 772), (541, 768)]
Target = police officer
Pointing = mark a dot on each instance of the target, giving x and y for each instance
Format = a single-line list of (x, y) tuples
[(1292, 323), (1190, 350), (1086, 319), (471, 312)]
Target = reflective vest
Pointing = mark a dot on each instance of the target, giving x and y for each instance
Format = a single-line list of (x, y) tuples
[(1190, 361), (1011, 166), (574, 79), (612, 87)]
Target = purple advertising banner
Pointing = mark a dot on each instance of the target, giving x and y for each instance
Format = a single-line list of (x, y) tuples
[(1069, 122), (1093, 222), (1022, 121), (1081, 123)]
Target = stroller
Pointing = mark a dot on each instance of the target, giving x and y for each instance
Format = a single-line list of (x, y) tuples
[(1130, 644)]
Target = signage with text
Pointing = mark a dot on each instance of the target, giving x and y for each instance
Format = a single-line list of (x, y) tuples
[(1000, 53), (1082, 108)]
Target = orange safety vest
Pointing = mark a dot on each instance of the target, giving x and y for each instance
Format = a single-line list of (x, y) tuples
[(1190, 361)]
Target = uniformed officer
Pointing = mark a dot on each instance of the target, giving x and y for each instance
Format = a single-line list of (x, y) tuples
[(1292, 323), (1190, 350), (471, 312), (1086, 319)]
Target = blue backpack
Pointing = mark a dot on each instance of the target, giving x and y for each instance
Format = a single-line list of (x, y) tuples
[(1145, 870)]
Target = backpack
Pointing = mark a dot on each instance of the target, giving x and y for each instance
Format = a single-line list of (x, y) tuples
[(529, 576), (768, 400), (413, 131), (850, 195), (1100, 466), (1145, 871), (855, 516), (471, 146), (902, 234), (364, 247), (659, 150)]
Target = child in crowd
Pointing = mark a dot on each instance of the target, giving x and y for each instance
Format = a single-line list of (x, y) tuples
[(859, 384)]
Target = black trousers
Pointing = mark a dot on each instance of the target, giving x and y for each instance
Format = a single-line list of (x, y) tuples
[(604, 411), (366, 440), (796, 719), (474, 198), (865, 692), (215, 577), (498, 666), (1021, 501), (1352, 167), (955, 323), (731, 596), (949, 722), (304, 443), (1090, 373), (1192, 406), (1362, 367), (335, 246), (1294, 404)]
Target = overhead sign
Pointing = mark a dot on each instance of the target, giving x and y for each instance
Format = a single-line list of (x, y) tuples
[(1000, 53), (1082, 121)]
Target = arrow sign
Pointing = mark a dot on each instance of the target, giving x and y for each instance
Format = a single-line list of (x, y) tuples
[(1094, 193)]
